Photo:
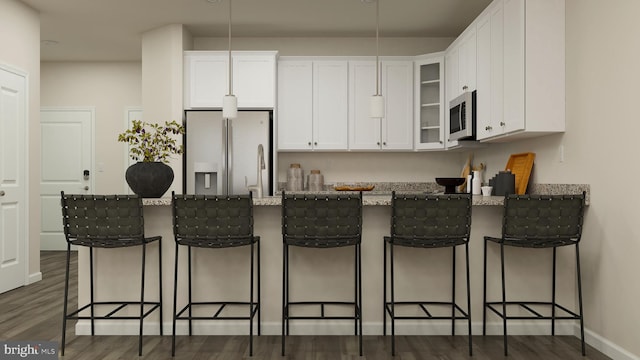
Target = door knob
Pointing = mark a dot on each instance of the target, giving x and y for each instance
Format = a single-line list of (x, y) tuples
[(1, 192)]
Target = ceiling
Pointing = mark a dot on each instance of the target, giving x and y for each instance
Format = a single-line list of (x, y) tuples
[(111, 30)]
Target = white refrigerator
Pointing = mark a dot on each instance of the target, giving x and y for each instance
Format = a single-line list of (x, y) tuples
[(221, 155)]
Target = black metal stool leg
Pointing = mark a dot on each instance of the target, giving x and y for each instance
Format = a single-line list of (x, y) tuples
[(259, 312), (93, 326), (355, 290), (584, 352), (360, 293), (160, 285), (144, 253), (453, 291), (251, 303), (190, 292), (66, 298), (285, 280), (553, 295), (175, 303), (484, 291), (384, 288), (466, 251), (392, 303), (504, 300)]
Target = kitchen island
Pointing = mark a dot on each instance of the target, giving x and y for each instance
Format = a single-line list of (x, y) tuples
[(328, 273)]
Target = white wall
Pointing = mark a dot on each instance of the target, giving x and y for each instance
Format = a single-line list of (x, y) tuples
[(20, 49), (110, 87), (602, 77)]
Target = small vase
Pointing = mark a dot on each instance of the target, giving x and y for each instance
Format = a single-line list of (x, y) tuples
[(149, 179)]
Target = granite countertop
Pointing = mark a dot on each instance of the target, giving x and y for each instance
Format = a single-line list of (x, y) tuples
[(382, 197)]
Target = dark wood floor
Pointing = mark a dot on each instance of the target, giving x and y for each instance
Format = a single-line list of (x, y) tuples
[(34, 312)]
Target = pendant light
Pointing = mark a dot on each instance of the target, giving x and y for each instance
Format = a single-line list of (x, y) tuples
[(230, 101), (377, 100)]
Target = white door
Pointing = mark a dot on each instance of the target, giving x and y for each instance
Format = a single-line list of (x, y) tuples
[(13, 188), (67, 165)]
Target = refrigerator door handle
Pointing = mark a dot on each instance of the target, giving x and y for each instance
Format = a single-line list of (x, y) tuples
[(229, 188)]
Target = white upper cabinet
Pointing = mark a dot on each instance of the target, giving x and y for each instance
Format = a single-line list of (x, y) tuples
[(312, 105), (461, 64), (330, 105), (395, 130), (295, 105), (206, 78), (526, 82), (490, 68), (460, 74), (429, 102)]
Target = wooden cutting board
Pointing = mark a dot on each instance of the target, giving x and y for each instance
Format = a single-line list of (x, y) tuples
[(521, 165)]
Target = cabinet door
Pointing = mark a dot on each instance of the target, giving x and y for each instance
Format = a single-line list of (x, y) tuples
[(206, 80), (397, 88), (490, 79), (330, 105), (364, 131), (254, 80), (467, 61), (429, 103), (514, 65), (295, 104)]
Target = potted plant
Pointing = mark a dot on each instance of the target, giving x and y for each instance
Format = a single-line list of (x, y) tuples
[(151, 145)]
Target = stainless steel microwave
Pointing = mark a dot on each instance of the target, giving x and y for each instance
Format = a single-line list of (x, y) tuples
[(462, 117)]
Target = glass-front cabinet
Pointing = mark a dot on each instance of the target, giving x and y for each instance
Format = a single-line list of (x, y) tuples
[(429, 104)]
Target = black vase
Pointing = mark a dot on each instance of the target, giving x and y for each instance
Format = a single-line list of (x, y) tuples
[(149, 179)]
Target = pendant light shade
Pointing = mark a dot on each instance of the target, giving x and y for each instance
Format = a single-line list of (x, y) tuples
[(230, 107), (377, 106), (230, 102), (377, 100)]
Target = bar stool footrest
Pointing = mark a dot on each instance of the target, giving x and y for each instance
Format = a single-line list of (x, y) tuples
[(109, 316), (463, 315), (535, 315), (217, 316), (322, 315)]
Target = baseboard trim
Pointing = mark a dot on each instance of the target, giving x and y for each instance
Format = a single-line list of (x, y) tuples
[(34, 278), (563, 328), (605, 346)]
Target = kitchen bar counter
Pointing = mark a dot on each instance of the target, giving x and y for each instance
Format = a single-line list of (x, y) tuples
[(326, 273), (383, 198)]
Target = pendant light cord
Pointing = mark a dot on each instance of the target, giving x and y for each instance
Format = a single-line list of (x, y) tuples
[(377, 47), (230, 61)]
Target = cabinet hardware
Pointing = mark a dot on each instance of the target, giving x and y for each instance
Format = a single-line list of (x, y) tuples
[(309, 143), (502, 123), (315, 144), (86, 188), (1, 192)]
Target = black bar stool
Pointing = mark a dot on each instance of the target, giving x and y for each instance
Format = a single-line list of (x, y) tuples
[(107, 221), (322, 221), (427, 221), (215, 222), (540, 222)]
